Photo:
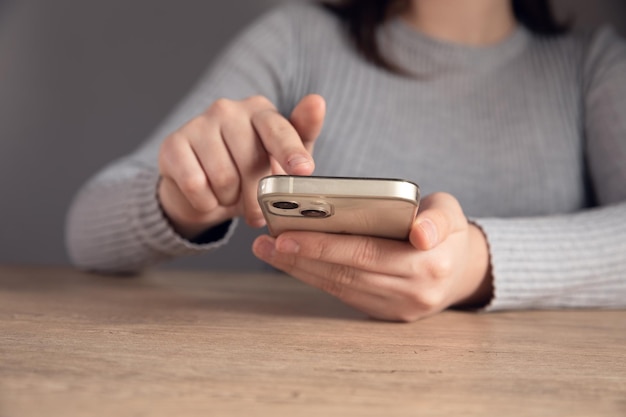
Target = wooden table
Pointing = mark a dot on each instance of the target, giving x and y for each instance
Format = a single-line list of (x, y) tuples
[(215, 344)]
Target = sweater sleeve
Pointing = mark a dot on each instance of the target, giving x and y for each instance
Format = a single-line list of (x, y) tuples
[(115, 223), (578, 259)]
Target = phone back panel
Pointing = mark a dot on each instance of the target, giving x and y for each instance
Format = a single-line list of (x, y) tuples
[(372, 207)]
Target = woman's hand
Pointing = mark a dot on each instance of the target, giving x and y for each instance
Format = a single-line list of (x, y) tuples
[(445, 263), (210, 168)]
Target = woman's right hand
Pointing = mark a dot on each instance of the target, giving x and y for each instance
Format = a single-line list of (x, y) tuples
[(210, 168)]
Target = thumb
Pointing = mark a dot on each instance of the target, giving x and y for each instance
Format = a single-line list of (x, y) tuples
[(439, 216), (308, 118)]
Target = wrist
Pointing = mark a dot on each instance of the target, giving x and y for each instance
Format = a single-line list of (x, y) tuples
[(478, 276)]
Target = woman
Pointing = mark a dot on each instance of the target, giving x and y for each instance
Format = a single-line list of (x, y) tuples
[(500, 117)]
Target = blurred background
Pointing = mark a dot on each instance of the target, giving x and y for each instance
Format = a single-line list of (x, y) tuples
[(85, 81)]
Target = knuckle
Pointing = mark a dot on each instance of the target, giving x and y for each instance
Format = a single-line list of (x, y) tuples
[(222, 108), (223, 181), (193, 184), (320, 251), (441, 267), (259, 101), (194, 188), (274, 127), (367, 252), (414, 268), (341, 277)]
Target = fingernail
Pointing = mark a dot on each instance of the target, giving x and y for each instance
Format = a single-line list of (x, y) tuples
[(430, 230), (287, 246), (299, 161), (265, 249)]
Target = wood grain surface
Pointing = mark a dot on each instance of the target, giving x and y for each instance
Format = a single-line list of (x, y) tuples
[(171, 343)]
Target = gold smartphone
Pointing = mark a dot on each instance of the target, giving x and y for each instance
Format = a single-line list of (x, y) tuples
[(379, 207)]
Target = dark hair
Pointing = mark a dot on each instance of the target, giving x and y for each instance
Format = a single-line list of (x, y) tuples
[(363, 17)]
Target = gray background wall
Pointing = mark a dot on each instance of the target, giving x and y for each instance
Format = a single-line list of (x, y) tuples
[(84, 81)]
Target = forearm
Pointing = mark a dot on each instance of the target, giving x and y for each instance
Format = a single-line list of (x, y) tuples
[(574, 260), (115, 225)]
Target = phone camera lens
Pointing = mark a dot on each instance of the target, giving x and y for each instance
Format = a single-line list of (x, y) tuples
[(285, 205), (314, 213)]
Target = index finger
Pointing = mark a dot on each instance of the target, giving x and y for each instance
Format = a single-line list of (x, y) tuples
[(281, 140), (385, 256)]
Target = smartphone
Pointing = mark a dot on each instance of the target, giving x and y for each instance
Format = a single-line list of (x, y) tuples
[(379, 207)]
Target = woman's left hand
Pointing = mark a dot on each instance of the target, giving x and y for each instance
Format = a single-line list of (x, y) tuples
[(445, 263)]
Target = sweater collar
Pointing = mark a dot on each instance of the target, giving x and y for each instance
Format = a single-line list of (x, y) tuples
[(419, 53)]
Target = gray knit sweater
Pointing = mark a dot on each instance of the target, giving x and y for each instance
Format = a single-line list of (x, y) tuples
[(529, 135)]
